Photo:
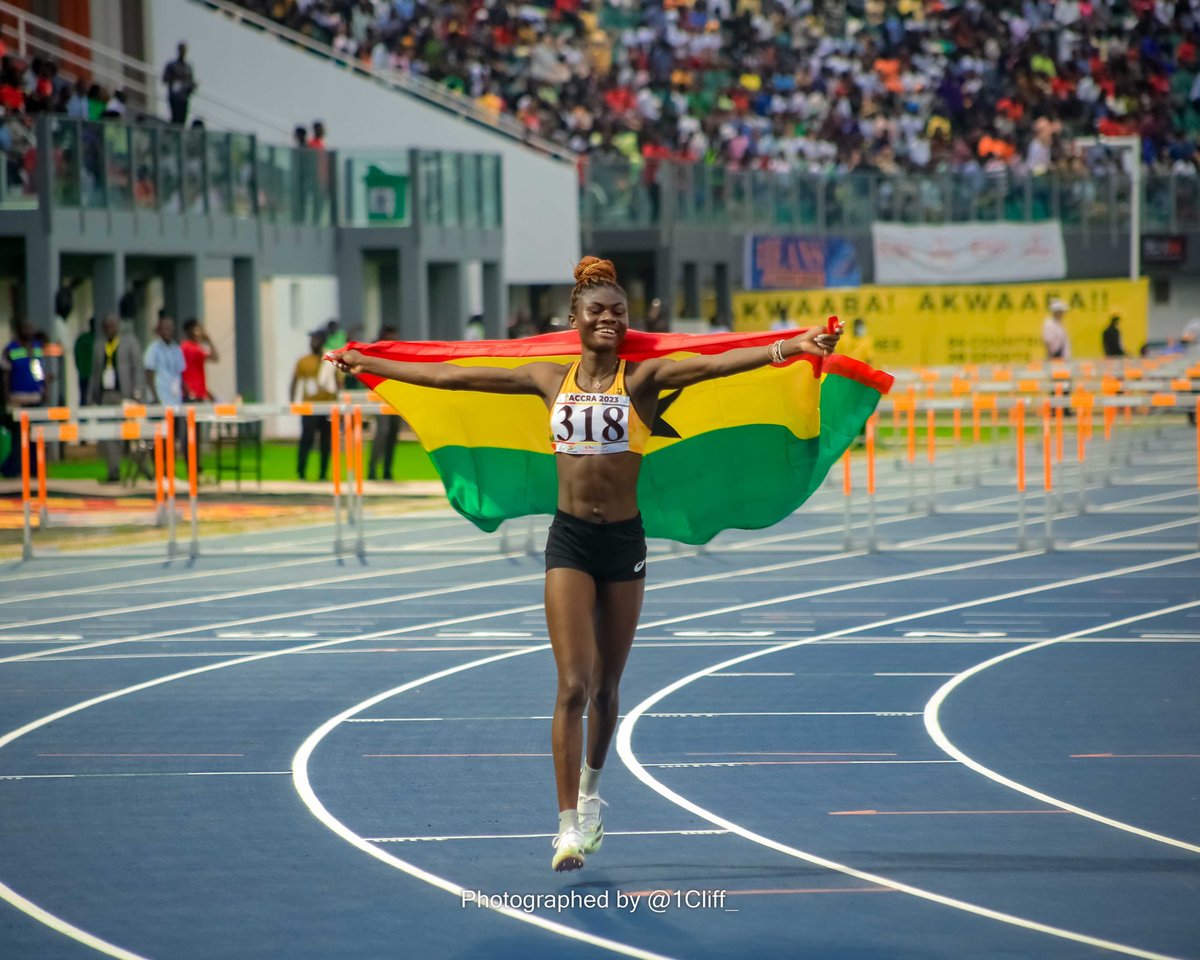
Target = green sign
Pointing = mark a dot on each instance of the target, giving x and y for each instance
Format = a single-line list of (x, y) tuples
[(387, 197)]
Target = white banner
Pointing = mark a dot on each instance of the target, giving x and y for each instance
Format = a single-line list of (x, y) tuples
[(968, 253)]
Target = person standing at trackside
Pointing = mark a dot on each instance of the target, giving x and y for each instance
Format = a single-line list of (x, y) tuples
[(118, 375), (23, 366), (1054, 333), (85, 348), (387, 431), (164, 364), (313, 382), (598, 412), (181, 83), (1111, 338), (198, 350)]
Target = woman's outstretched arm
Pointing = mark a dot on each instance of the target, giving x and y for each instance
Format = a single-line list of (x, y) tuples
[(534, 378), (672, 374)]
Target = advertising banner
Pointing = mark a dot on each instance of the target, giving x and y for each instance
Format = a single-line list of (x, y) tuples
[(935, 326), (968, 252), (791, 262)]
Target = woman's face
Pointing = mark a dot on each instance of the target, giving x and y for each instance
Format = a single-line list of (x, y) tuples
[(601, 317)]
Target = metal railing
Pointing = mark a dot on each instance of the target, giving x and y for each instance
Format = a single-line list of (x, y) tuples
[(116, 166), (623, 195), (111, 165)]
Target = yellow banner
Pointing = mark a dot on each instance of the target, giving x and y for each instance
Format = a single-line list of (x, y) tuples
[(937, 326)]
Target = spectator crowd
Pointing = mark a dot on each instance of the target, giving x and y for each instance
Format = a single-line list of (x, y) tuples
[(895, 85)]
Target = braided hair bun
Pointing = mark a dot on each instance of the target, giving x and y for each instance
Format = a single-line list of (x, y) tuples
[(595, 270)]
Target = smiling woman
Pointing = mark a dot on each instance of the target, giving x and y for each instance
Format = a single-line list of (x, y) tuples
[(606, 412)]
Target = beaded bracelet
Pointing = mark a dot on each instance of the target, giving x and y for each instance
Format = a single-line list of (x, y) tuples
[(775, 352)]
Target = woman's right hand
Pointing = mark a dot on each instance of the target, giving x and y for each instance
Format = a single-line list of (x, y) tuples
[(350, 361)]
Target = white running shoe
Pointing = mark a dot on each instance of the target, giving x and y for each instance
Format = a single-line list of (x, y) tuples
[(591, 822), (568, 851)]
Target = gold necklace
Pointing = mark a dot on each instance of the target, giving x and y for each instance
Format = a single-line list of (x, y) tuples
[(596, 381)]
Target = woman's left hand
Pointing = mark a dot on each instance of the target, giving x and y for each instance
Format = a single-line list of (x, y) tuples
[(816, 340)]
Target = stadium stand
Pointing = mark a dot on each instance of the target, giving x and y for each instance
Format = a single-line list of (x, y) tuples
[(898, 86)]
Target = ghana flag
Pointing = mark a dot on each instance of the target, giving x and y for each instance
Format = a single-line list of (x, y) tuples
[(738, 452)]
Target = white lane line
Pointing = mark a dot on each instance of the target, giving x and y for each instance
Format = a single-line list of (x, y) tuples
[(134, 561), (172, 603), (168, 773), (308, 796), (355, 605), (934, 727), (1124, 535), (293, 614), (686, 764), (1139, 501), (39, 637), (67, 929), (624, 741), (547, 836), (913, 674), (707, 715), (180, 577), (753, 674)]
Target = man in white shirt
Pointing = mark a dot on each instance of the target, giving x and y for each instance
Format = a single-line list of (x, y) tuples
[(1054, 334), (164, 364)]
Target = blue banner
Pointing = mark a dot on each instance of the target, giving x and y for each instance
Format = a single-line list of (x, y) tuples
[(794, 262)]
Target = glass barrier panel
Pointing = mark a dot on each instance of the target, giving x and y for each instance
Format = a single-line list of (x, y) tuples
[(241, 156), (450, 182), (119, 165), (68, 167), (491, 181), (170, 169), (430, 172), (144, 163), (195, 196), (220, 192)]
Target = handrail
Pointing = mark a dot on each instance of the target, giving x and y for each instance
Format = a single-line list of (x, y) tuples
[(431, 93), (107, 53)]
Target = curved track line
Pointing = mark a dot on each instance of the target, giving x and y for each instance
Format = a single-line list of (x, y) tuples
[(934, 728), (62, 926), (629, 758), (310, 799)]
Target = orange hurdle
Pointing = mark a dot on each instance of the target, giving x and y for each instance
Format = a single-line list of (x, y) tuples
[(1018, 418), (43, 513), (872, 544), (358, 480), (159, 479), (27, 547), (335, 443), (193, 482), (169, 451), (1048, 469)]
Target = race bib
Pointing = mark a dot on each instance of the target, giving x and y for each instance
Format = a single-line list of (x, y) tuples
[(585, 423)]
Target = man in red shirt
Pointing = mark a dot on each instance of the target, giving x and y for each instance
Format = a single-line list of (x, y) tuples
[(198, 350)]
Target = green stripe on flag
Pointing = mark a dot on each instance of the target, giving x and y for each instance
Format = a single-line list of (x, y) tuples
[(745, 477)]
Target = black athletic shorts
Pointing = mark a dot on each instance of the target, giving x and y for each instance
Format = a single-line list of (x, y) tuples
[(610, 552)]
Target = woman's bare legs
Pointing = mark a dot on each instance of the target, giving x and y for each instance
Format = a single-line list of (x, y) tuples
[(618, 606), (570, 618), (591, 632)]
